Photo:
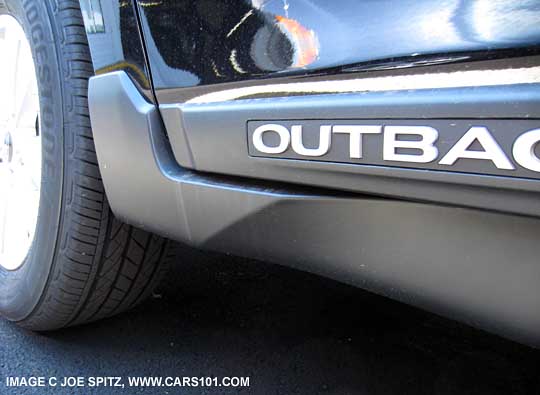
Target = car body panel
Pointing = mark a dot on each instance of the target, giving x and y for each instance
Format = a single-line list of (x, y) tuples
[(209, 42), (179, 91), (115, 40), (477, 266)]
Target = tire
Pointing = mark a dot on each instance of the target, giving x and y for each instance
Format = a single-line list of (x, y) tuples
[(83, 263)]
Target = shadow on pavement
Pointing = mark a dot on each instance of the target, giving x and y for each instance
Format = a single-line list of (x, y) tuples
[(290, 332)]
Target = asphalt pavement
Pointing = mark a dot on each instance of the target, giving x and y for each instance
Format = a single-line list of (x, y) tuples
[(290, 332)]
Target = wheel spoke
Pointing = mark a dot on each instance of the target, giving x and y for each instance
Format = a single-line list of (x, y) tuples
[(20, 152)]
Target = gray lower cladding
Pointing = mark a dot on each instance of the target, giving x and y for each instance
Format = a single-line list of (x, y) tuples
[(217, 138), (476, 266)]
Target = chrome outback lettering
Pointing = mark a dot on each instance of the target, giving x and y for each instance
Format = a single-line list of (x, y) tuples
[(424, 143)]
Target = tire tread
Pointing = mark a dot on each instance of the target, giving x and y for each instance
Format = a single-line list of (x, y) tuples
[(103, 266)]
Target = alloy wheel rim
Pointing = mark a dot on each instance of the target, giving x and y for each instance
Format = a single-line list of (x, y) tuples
[(20, 145)]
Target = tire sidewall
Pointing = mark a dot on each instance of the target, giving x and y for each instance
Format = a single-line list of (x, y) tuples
[(21, 290)]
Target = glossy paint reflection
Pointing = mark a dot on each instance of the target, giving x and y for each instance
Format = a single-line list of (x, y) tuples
[(194, 42), (206, 42), (115, 41)]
